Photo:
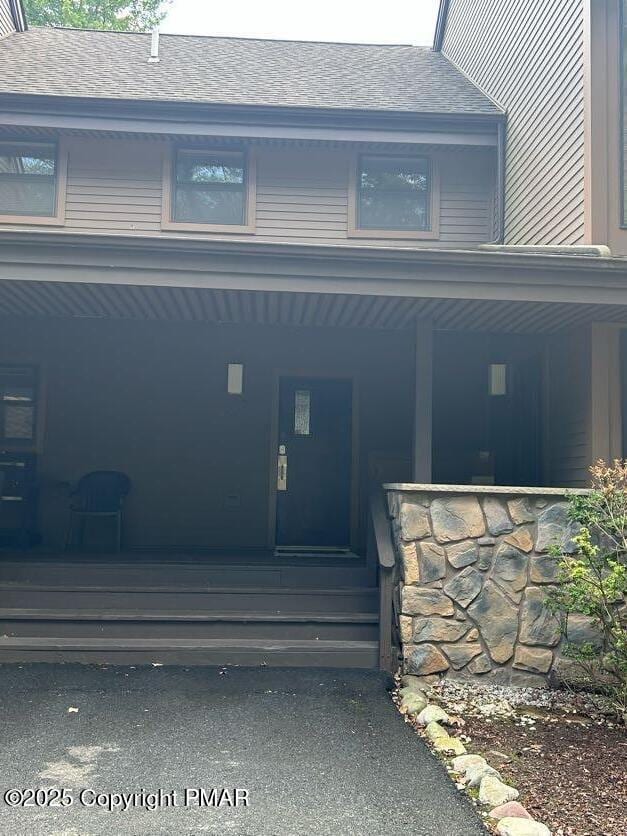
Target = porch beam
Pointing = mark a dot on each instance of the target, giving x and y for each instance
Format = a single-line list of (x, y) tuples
[(370, 276)]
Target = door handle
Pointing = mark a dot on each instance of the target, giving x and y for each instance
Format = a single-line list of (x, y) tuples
[(281, 482)]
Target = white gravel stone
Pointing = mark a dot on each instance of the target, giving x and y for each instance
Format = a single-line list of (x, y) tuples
[(466, 762)]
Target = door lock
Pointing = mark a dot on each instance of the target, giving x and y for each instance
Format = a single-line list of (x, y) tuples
[(281, 482)]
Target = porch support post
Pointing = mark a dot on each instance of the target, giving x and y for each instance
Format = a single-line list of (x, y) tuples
[(605, 393), (423, 402)]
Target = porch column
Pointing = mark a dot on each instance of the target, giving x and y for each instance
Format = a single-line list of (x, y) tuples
[(423, 401), (605, 393)]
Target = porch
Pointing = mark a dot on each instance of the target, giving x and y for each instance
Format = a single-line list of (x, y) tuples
[(221, 562)]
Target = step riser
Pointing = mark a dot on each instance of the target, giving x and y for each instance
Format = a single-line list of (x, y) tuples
[(182, 630), (281, 658), (239, 601)]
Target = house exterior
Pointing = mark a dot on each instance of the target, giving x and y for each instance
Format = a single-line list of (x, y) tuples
[(263, 279)]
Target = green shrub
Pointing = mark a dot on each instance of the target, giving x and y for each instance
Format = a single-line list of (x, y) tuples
[(593, 582)]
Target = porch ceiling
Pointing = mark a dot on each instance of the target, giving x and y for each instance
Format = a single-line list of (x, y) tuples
[(58, 299)]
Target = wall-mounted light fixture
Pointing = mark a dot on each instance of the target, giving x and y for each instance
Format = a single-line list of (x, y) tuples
[(235, 379), (498, 379)]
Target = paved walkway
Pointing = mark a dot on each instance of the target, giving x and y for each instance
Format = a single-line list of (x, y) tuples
[(320, 752)]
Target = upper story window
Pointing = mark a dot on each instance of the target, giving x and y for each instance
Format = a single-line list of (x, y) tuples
[(28, 179), (212, 190), (394, 197)]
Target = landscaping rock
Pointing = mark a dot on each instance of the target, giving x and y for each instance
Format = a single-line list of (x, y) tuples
[(537, 624), (511, 810), (431, 562), (497, 620), (535, 659), (419, 683), (521, 539), (497, 517), (420, 601), (432, 714), (460, 655), (462, 554), (555, 528), (414, 521), (519, 511), (438, 629), (475, 775), (457, 518), (466, 762), (425, 659), (449, 745), (494, 792), (465, 586), (515, 826), (510, 568), (413, 703), (409, 563), (434, 731)]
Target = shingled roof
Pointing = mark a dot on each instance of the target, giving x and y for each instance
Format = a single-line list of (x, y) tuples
[(236, 71)]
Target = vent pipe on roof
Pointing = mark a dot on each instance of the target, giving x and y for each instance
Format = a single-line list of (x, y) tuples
[(154, 47)]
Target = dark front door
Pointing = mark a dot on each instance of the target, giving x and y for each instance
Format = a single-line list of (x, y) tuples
[(314, 463)]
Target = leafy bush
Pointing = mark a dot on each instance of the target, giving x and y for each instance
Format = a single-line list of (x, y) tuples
[(593, 582)]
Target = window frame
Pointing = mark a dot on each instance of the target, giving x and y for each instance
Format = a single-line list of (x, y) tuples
[(169, 186), (57, 218), (356, 231)]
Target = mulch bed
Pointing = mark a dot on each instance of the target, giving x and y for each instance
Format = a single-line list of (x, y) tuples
[(571, 774)]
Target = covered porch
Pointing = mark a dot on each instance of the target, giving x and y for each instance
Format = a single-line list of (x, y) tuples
[(254, 424)]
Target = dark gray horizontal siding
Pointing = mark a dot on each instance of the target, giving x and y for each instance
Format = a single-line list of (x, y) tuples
[(529, 57)]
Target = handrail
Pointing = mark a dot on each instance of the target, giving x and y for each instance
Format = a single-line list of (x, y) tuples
[(380, 542), (381, 525)]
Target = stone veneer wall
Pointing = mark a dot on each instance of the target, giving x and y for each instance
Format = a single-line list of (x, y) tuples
[(475, 573)]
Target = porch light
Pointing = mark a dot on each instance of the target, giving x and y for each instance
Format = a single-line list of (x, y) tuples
[(235, 379), (498, 379)]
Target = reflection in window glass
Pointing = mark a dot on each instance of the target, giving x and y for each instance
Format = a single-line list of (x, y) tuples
[(302, 412), (27, 179), (210, 188), (394, 193), (18, 395), (19, 422)]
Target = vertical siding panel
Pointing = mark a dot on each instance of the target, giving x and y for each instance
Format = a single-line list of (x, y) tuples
[(6, 19), (529, 57)]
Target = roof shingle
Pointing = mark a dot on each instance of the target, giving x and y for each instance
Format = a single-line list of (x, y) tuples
[(236, 71)]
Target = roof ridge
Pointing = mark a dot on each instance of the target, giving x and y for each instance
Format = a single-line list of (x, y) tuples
[(163, 34)]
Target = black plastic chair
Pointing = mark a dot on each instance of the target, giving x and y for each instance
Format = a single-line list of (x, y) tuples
[(98, 495)]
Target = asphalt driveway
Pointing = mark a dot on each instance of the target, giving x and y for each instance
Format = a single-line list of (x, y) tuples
[(320, 752)]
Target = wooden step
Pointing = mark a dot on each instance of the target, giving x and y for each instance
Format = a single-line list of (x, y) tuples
[(250, 652), (190, 599), (23, 622)]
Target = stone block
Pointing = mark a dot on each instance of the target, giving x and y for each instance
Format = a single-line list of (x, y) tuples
[(555, 528), (537, 624), (431, 562), (414, 520), (425, 659), (543, 569), (462, 554), (417, 600), (405, 628), (497, 517), (486, 556), (465, 586), (581, 630), (481, 664), (409, 563), (520, 511), (497, 620), (437, 629), (521, 538), (533, 659), (459, 655), (510, 568), (457, 518)]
